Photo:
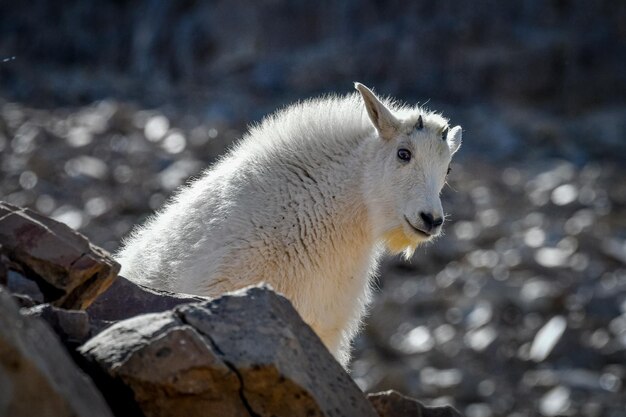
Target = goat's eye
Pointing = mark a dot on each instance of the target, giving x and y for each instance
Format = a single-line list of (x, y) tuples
[(449, 169), (404, 155)]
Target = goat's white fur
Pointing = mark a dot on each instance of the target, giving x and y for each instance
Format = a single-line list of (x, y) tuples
[(307, 201)]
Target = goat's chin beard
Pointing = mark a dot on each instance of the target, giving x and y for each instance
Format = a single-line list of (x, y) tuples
[(397, 241)]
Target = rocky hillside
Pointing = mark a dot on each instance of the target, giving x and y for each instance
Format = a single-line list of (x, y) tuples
[(567, 54)]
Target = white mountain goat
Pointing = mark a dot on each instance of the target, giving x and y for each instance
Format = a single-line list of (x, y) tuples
[(307, 201)]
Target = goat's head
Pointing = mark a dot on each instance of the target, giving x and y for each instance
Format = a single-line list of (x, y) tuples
[(412, 160)]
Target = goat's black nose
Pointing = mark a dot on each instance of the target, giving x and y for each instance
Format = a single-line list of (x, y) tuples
[(430, 221)]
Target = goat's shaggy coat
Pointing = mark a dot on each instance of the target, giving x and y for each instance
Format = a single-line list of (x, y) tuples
[(306, 201)]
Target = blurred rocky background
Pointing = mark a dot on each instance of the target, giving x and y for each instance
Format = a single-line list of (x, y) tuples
[(520, 309)]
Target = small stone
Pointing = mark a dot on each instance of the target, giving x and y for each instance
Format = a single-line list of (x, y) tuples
[(156, 127), (564, 194), (555, 402), (547, 337), (392, 404), (72, 326)]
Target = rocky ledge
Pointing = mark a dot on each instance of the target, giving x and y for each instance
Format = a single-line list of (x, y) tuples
[(87, 342)]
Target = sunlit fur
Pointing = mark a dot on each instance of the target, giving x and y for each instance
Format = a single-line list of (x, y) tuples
[(397, 241), (307, 201)]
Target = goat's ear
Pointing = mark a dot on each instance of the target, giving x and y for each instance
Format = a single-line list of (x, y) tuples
[(454, 139), (383, 120)]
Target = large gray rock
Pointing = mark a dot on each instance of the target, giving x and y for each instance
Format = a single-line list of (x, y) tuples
[(37, 377), (244, 354), (69, 270)]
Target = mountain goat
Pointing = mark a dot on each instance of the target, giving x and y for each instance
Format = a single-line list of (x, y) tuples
[(307, 201)]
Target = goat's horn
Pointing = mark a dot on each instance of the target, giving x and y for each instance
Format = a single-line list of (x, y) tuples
[(444, 134), (420, 123)]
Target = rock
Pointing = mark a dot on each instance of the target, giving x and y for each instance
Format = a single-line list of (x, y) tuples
[(71, 326), (170, 369), (393, 404), (18, 284), (247, 353), (125, 299), (25, 291), (23, 301), (547, 337), (66, 267), (37, 376), (555, 402)]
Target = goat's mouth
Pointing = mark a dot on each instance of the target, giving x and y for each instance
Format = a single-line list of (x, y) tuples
[(419, 231)]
